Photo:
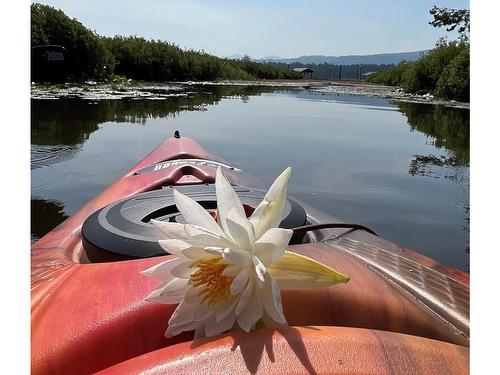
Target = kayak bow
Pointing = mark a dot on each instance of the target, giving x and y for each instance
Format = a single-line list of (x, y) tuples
[(401, 312)]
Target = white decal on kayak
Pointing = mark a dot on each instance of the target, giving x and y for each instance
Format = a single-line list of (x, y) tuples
[(205, 163)]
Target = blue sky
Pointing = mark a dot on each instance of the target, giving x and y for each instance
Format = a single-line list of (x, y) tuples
[(263, 28)]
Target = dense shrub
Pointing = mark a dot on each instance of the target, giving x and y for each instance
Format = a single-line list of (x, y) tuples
[(454, 81), (143, 59), (86, 54), (429, 67), (391, 77), (155, 60), (266, 71), (90, 56), (444, 71)]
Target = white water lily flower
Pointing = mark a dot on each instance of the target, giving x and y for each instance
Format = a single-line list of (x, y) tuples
[(229, 273)]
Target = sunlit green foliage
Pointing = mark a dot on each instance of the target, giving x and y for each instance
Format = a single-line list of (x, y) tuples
[(155, 60), (90, 56), (452, 18), (266, 71), (86, 54), (392, 76), (428, 69), (454, 81), (444, 71)]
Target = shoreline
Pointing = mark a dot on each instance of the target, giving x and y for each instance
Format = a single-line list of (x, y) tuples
[(161, 90)]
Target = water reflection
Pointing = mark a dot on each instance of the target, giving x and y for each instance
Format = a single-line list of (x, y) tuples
[(45, 215), (449, 128), (424, 165), (71, 121), (45, 155), (59, 129), (68, 123), (401, 168)]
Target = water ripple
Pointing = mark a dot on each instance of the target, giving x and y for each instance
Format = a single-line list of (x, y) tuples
[(46, 155)]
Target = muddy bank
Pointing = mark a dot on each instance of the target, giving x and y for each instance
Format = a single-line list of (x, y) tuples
[(159, 91)]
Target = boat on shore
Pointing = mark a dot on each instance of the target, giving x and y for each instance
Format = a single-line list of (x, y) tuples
[(401, 312)]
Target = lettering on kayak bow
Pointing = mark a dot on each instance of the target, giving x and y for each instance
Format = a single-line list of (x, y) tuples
[(180, 162)]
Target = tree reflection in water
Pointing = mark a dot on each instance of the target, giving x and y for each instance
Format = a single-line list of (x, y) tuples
[(71, 121), (448, 129), (59, 128), (45, 215)]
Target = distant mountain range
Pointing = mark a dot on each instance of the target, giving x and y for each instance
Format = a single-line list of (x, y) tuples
[(381, 58)]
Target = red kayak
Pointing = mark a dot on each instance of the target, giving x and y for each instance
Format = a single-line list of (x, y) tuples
[(401, 312)]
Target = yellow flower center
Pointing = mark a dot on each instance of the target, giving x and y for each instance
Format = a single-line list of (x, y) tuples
[(215, 286)]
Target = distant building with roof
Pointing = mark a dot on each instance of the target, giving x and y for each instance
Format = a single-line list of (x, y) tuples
[(305, 71)]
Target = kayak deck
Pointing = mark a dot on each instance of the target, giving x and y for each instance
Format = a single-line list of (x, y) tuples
[(83, 310)]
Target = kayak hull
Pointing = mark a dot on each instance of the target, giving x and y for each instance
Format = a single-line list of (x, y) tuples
[(89, 317), (302, 350)]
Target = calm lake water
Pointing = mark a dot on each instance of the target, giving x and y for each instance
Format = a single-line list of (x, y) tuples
[(400, 168)]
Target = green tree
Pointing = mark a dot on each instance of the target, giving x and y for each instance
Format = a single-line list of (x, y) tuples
[(454, 81), (86, 55), (424, 74), (452, 18), (90, 56), (443, 71)]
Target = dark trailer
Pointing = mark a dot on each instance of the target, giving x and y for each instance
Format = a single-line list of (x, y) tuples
[(48, 63)]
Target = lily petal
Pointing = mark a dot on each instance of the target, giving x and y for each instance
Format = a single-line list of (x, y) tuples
[(173, 246), (190, 249), (227, 199), (162, 271), (240, 282), (183, 314), (214, 250), (231, 270), (271, 245), (221, 326), (245, 296), (225, 310), (171, 230), (206, 237), (270, 211), (194, 252), (203, 311), (260, 271), (174, 330), (177, 232), (192, 294), (240, 229), (170, 293), (194, 213), (271, 299), (237, 256), (183, 270), (270, 322), (295, 271), (251, 314)]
